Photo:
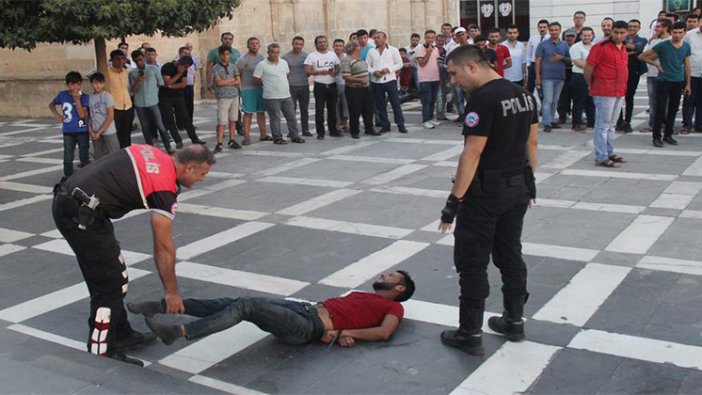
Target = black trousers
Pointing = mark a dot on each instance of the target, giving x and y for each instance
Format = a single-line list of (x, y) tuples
[(631, 84), (104, 271), (325, 96), (189, 93), (301, 97), (123, 123), (360, 102), (564, 101), (667, 96), (582, 101), (489, 222), (173, 108)]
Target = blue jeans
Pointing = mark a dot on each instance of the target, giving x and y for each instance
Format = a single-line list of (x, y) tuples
[(150, 118), (69, 149), (460, 99), (291, 322), (427, 95), (692, 105), (552, 92), (382, 93), (606, 113), (651, 88)]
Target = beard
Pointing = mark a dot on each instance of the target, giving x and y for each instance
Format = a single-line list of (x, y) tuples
[(382, 286)]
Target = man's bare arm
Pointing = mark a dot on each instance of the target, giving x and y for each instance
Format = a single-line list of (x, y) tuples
[(165, 257), (384, 332)]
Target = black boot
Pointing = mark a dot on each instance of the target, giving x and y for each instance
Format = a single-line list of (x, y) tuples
[(511, 323), (119, 356), (468, 337)]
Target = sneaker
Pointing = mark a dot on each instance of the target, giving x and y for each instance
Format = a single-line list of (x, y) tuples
[(472, 344), (233, 144), (307, 134), (217, 149), (402, 129), (670, 140), (428, 125), (555, 125), (657, 143), (435, 122), (513, 330), (118, 356), (547, 129)]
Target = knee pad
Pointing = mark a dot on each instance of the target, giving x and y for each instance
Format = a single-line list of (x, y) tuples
[(98, 337)]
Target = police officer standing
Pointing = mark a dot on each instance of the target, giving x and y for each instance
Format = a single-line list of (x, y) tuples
[(493, 187), (136, 177)]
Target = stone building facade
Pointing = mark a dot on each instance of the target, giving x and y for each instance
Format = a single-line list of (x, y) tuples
[(29, 80)]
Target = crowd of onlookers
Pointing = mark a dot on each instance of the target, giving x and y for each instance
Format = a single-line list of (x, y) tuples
[(588, 76)]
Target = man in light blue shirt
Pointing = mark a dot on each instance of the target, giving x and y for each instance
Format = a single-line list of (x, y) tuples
[(552, 55), (272, 73), (144, 81)]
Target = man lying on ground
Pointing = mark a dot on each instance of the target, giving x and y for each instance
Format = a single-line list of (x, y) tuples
[(356, 316)]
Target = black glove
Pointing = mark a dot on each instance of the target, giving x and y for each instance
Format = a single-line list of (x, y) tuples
[(450, 210)]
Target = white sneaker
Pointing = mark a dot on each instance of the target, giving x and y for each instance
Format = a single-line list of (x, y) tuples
[(435, 122), (428, 125)]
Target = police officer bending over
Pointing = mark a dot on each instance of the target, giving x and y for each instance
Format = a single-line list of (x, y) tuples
[(136, 177), (493, 188)]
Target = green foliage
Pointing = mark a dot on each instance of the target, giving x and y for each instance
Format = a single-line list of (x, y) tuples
[(25, 23)]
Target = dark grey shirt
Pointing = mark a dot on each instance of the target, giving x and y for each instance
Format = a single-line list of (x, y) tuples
[(298, 75), (247, 63)]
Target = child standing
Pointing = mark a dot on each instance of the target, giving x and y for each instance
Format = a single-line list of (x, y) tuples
[(102, 114), (74, 110)]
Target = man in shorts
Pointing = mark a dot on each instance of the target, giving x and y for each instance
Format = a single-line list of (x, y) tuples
[(252, 94)]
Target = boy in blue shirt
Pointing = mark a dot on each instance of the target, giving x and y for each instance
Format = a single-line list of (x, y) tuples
[(74, 111)]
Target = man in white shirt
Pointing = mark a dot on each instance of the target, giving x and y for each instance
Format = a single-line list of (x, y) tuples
[(446, 30), (383, 62), (517, 51), (694, 38), (581, 98), (412, 55), (534, 42), (661, 32), (323, 66)]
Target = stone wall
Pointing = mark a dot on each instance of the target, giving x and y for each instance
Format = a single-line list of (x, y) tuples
[(29, 80)]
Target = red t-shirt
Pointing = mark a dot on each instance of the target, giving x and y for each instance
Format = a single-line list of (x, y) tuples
[(360, 310), (502, 54), (610, 69)]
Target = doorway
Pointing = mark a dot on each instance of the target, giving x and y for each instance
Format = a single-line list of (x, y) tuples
[(499, 13)]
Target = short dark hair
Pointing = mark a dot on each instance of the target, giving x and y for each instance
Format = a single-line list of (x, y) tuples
[(150, 49), (415, 35), (97, 76), (253, 38), (181, 49), (73, 76), (693, 16), (512, 26), (672, 15), (679, 25), (115, 53), (403, 50), (554, 24), (666, 23), (224, 48), (579, 12), (473, 26), (321, 36), (187, 59), (467, 53), (195, 154), (430, 31), (493, 30), (136, 54), (361, 32), (479, 37), (122, 43), (635, 21), (409, 287), (372, 31), (620, 25), (298, 38), (587, 29), (225, 34), (608, 19), (338, 40), (446, 24), (542, 21)]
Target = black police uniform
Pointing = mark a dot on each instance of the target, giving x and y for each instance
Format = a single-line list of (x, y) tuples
[(136, 177), (490, 217)]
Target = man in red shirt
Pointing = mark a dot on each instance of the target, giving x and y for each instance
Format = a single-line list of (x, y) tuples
[(504, 59), (136, 177), (356, 316), (606, 72)]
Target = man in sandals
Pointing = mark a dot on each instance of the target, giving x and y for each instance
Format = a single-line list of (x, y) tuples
[(272, 73), (606, 74), (357, 316)]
